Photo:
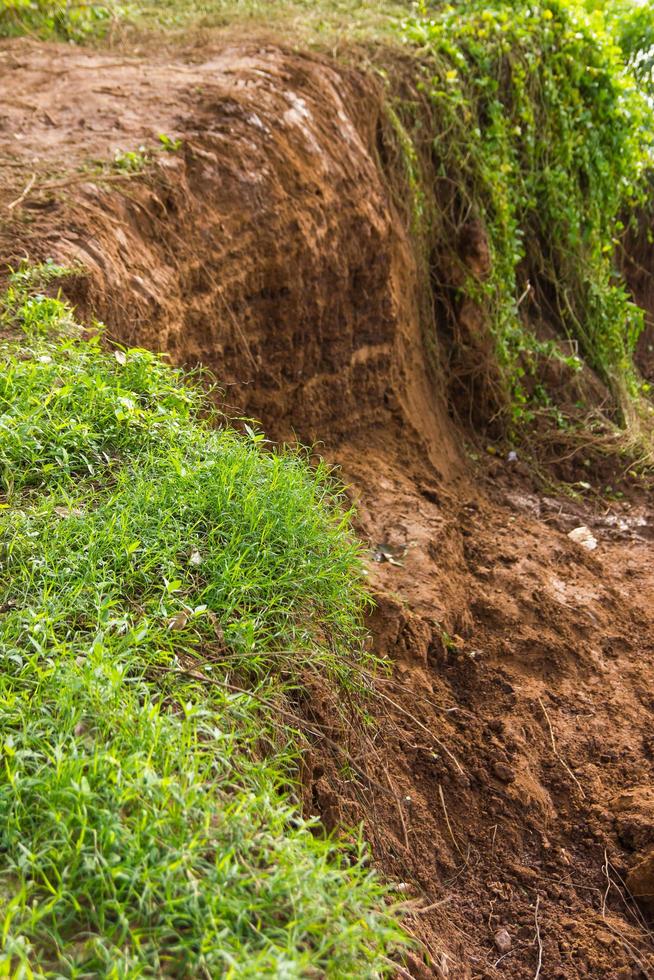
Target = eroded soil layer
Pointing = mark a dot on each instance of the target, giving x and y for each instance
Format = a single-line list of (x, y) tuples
[(509, 781)]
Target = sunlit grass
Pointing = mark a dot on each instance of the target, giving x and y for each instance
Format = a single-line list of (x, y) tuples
[(326, 22), (68, 20), (321, 22), (146, 827)]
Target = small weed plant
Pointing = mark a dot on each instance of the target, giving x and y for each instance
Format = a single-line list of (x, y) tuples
[(131, 161), (136, 161), (146, 826)]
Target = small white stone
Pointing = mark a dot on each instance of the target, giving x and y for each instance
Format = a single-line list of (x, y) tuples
[(583, 536)]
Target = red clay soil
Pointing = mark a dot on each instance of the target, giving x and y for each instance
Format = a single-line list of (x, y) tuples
[(508, 783)]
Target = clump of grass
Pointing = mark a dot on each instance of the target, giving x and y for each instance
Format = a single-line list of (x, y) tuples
[(309, 21), (61, 19), (145, 821), (136, 161)]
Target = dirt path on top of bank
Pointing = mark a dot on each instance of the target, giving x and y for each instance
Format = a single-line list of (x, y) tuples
[(510, 776)]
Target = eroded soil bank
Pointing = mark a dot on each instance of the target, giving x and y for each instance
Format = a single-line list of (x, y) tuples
[(509, 780)]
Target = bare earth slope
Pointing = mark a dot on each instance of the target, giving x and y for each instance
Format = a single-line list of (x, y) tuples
[(510, 778)]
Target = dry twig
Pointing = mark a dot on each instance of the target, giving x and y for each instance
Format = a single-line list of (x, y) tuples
[(556, 751), (423, 909), (447, 821), (400, 811), (28, 187), (605, 869), (422, 727), (77, 179), (538, 940)]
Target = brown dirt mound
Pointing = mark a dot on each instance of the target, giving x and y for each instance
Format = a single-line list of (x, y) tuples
[(508, 781)]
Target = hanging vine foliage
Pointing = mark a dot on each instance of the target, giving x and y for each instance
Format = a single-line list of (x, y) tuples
[(542, 121)]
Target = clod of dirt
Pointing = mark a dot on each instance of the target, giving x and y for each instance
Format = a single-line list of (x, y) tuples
[(504, 772), (503, 941), (178, 621), (640, 880), (634, 817), (386, 552)]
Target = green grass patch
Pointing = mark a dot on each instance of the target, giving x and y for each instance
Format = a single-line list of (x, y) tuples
[(319, 22), (146, 826), (57, 19)]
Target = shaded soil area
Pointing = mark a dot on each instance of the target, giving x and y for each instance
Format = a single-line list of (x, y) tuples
[(639, 272), (506, 777)]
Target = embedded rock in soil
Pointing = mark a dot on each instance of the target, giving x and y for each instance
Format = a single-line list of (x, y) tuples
[(640, 880), (504, 772), (502, 941), (634, 817)]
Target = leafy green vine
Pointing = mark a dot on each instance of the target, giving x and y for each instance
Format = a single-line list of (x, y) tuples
[(542, 123)]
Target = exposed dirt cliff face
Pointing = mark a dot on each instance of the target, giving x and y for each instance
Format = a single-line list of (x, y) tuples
[(639, 271), (266, 249), (508, 778)]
